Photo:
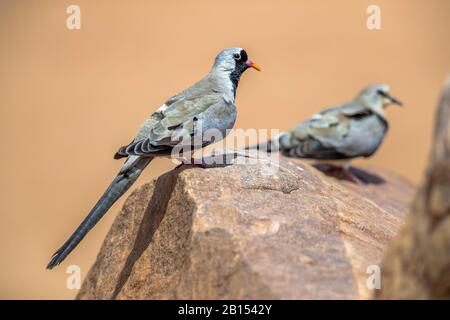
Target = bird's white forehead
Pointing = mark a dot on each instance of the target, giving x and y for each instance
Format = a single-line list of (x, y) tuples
[(230, 51), (373, 89), (378, 86), (227, 54)]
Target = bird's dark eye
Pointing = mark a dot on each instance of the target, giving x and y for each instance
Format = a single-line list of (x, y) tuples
[(381, 93), (237, 56)]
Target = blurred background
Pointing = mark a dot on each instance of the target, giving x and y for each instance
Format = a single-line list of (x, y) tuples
[(70, 98)]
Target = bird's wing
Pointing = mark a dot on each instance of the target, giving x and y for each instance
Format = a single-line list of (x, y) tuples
[(169, 124), (350, 110), (328, 134)]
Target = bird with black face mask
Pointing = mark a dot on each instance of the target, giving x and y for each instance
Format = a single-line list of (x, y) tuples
[(341, 133), (207, 105)]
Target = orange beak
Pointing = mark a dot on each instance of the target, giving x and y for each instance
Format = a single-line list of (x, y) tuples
[(253, 65)]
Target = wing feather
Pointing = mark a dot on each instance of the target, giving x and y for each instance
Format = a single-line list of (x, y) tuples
[(169, 124), (329, 134)]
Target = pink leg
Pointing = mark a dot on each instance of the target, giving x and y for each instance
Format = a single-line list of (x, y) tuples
[(202, 164), (183, 161), (351, 176), (192, 162)]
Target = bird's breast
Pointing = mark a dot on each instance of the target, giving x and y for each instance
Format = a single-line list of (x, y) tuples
[(217, 120), (366, 136)]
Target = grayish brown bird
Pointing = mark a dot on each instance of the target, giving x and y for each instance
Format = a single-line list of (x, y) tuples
[(339, 134), (207, 105)]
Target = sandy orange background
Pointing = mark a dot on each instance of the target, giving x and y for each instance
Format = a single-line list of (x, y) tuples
[(69, 99)]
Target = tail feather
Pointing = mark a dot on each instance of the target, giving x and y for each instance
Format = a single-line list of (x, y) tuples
[(119, 155), (116, 189), (273, 145)]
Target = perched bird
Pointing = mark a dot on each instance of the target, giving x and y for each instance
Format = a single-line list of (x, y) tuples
[(338, 134), (208, 104)]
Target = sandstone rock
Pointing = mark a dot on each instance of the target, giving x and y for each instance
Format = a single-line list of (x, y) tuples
[(245, 231), (418, 263)]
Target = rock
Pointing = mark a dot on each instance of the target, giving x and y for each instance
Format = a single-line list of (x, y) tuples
[(247, 231), (418, 263)]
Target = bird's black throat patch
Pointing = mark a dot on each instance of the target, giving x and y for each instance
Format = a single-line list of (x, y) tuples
[(240, 67)]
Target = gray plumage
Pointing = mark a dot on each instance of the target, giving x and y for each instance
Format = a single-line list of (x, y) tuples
[(207, 105), (354, 129)]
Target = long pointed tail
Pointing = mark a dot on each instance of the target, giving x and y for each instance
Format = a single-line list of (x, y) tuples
[(116, 189)]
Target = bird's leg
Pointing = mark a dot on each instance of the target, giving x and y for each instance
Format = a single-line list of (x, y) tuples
[(339, 169), (200, 164), (251, 154), (191, 162), (183, 161), (242, 153), (229, 155), (237, 152), (351, 176)]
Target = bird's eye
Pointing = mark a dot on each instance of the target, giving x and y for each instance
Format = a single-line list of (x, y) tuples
[(237, 56), (381, 93)]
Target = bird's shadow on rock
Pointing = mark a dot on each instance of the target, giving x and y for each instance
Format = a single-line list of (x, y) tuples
[(153, 215), (155, 211), (365, 176)]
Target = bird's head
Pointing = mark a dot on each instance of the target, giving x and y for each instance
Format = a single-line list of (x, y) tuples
[(234, 60), (377, 97), (228, 67)]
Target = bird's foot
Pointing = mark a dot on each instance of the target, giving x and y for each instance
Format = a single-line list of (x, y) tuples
[(183, 161), (193, 162), (179, 166), (351, 176), (239, 153), (251, 154), (199, 163)]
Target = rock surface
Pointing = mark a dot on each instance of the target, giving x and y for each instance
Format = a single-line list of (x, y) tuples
[(245, 231), (418, 263)]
